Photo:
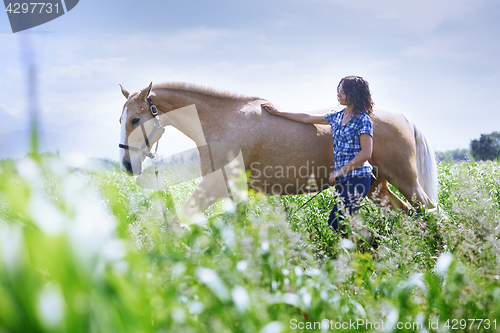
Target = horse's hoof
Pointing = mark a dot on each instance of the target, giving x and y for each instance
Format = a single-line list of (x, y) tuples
[(176, 225)]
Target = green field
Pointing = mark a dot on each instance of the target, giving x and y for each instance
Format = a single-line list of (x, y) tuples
[(89, 251)]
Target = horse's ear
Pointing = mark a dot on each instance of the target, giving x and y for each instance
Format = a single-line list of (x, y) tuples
[(124, 92), (145, 92)]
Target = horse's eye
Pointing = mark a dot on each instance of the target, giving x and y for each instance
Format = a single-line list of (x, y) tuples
[(135, 120)]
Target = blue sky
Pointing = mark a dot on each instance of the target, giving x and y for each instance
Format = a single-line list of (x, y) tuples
[(436, 61)]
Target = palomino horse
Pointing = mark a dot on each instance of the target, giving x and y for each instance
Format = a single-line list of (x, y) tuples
[(283, 156)]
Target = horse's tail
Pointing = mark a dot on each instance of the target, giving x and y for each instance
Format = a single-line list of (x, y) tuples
[(426, 164)]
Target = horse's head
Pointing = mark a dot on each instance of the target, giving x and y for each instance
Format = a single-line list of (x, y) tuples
[(138, 132)]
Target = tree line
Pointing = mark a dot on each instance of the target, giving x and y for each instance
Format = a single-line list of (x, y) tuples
[(487, 147)]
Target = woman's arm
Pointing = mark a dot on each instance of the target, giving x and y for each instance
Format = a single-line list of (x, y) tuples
[(364, 155), (300, 117)]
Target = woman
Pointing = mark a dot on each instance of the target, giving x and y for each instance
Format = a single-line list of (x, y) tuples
[(352, 133)]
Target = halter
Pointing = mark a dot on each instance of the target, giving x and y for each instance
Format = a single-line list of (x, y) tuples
[(141, 150)]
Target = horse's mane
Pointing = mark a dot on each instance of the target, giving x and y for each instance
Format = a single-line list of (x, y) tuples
[(203, 90)]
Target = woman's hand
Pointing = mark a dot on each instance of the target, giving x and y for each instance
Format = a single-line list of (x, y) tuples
[(269, 107), (333, 177)]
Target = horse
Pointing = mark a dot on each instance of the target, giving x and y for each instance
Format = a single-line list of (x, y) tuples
[(282, 157)]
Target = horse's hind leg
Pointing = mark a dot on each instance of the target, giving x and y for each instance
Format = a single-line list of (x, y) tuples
[(407, 183), (415, 194), (380, 192)]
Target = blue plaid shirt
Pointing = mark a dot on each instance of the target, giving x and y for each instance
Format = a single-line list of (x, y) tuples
[(346, 142)]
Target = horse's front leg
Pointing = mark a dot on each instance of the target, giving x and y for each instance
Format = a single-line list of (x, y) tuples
[(212, 188), (227, 181)]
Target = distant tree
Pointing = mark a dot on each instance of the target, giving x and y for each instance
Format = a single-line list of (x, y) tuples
[(487, 147)]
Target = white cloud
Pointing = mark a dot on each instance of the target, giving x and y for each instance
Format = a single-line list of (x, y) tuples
[(418, 16), (465, 47), (384, 65), (155, 43), (94, 67), (195, 39)]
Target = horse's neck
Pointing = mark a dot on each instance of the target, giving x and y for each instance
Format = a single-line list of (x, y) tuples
[(188, 109), (186, 120)]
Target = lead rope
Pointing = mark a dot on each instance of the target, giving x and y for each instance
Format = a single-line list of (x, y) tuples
[(154, 112), (163, 209), (289, 216)]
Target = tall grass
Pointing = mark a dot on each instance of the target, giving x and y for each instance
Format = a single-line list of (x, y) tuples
[(89, 251)]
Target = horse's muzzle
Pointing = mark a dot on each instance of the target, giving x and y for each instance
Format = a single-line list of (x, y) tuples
[(127, 167)]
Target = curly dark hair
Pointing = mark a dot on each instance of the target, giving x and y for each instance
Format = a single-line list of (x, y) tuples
[(357, 93)]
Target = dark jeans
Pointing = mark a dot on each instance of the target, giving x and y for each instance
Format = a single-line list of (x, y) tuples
[(351, 193)]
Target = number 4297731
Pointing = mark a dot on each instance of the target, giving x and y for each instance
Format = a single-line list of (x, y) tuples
[(32, 8), (455, 324)]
